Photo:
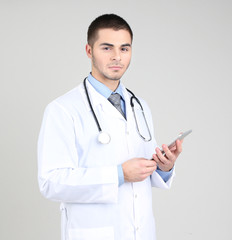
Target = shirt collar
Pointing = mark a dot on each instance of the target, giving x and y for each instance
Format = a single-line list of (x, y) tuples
[(103, 89)]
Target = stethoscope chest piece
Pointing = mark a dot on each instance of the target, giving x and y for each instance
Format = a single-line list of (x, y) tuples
[(104, 137)]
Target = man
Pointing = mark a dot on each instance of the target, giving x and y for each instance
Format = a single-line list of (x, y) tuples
[(104, 189)]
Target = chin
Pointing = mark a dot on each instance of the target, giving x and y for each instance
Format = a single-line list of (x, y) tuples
[(113, 77)]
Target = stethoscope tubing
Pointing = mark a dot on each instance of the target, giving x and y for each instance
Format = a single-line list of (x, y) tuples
[(137, 126), (133, 97), (91, 107)]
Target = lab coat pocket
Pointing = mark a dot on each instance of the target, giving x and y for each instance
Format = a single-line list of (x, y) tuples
[(104, 233)]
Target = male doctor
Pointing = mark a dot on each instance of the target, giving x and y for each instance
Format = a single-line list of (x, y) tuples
[(104, 189)]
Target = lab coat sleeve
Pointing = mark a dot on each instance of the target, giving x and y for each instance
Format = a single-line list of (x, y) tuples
[(60, 178)]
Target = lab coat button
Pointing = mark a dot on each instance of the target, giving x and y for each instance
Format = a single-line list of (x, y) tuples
[(136, 195), (127, 132), (137, 229)]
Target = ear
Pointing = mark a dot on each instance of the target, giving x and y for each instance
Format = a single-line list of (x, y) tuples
[(88, 50)]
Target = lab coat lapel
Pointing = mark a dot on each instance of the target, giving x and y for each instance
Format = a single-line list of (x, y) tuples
[(129, 114)]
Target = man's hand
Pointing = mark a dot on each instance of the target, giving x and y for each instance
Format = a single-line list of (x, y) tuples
[(138, 169), (167, 161)]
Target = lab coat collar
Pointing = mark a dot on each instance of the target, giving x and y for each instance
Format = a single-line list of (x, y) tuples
[(95, 97), (97, 100)]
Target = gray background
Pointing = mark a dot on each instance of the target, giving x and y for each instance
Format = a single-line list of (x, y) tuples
[(181, 65)]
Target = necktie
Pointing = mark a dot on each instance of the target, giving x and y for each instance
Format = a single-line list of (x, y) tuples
[(115, 99)]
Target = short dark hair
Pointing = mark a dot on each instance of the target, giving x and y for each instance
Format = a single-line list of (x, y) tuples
[(106, 21)]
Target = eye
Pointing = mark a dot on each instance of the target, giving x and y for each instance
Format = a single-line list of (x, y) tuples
[(124, 49), (106, 48)]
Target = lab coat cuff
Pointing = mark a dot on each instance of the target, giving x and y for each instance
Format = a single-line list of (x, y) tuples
[(157, 180), (165, 175)]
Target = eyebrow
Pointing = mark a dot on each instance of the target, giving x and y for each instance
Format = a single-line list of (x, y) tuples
[(111, 45)]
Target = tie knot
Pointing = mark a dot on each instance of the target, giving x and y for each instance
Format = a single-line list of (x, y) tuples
[(115, 99)]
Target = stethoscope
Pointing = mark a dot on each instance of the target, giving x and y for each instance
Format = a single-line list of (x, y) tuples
[(104, 137)]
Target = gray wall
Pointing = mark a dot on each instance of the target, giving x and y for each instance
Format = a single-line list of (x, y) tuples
[(181, 65)]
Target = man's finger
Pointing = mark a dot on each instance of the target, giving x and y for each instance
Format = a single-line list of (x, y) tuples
[(178, 147), (149, 163), (167, 151), (161, 157)]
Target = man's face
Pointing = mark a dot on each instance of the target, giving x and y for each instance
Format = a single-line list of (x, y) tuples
[(110, 54)]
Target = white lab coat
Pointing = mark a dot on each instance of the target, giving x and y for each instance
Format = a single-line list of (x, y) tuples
[(78, 171)]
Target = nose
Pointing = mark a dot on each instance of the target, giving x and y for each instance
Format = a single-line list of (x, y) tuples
[(116, 55)]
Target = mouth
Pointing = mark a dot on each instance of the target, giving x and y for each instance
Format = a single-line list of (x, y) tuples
[(116, 67)]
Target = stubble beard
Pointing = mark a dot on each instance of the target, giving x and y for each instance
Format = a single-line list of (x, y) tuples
[(104, 74)]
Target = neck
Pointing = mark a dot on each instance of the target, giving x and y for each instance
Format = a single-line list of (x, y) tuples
[(111, 84)]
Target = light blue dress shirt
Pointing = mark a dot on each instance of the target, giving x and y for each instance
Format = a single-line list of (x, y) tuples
[(106, 92)]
